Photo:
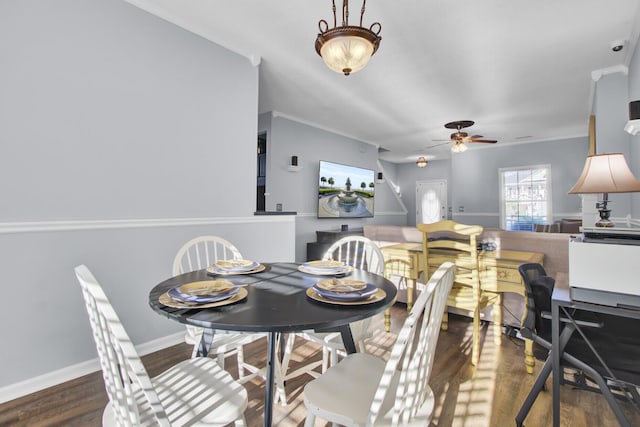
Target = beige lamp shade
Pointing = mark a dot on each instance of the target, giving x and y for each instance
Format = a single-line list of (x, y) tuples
[(606, 173)]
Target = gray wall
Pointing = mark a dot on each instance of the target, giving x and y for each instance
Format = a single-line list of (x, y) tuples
[(612, 112), (634, 95), (121, 137), (634, 141), (476, 184), (297, 191), (473, 180), (94, 93)]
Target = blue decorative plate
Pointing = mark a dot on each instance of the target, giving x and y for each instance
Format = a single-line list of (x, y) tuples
[(365, 293)]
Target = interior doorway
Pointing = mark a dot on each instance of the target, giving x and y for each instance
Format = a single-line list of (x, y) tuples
[(431, 201), (261, 178)]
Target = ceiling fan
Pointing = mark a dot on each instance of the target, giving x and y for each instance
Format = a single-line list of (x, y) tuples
[(459, 137)]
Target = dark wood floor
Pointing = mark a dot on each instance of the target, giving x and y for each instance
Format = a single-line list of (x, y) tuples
[(488, 395)]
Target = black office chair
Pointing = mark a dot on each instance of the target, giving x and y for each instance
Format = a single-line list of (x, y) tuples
[(619, 344)]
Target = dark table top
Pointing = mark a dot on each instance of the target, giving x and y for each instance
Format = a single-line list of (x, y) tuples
[(276, 302)]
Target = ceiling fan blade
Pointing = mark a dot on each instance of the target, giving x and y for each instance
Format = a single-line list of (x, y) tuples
[(438, 145), (488, 141)]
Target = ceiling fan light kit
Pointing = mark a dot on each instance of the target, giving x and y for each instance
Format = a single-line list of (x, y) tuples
[(460, 138), (459, 147), (347, 48)]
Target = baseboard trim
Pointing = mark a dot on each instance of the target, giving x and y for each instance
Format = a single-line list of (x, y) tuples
[(50, 379)]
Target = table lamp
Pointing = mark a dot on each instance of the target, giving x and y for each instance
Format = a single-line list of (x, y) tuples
[(605, 173)]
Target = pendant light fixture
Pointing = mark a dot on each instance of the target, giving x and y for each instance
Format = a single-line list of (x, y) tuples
[(421, 162), (347, 48)]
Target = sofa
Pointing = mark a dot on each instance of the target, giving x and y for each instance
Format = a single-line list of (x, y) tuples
[(554, 246), (564, 225)]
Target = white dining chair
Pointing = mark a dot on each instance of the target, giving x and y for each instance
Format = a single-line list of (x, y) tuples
[(364, 390), (195, 392), (361, 253), (197, 254)]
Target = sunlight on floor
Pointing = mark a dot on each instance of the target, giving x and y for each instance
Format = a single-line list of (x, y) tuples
[(474, 393)]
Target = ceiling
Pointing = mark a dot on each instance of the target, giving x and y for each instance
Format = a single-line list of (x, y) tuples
[(521, 69)]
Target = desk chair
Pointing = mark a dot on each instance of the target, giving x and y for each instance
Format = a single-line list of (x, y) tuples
[(578, 352), (450, 241), (197, 254), (195, 392), (364, 390)]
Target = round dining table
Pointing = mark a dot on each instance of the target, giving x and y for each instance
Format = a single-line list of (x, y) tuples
[(276, 302)]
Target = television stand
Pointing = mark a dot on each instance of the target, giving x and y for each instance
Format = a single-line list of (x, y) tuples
[(325, 238)]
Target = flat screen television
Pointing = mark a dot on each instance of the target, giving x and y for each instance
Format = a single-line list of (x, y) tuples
[(345, 191)]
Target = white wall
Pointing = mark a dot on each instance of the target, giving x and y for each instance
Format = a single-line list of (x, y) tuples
[(121, 137)]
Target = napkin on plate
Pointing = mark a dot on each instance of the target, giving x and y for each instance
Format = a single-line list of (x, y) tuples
[(205, 291), (325, 267), (235, 265), (341, 285), (344, 292)]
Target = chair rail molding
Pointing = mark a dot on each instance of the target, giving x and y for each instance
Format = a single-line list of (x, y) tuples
[(98, 224)]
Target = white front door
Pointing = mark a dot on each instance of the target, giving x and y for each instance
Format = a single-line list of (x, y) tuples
[(431, 201)]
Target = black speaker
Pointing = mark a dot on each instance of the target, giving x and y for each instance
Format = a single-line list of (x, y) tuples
[(294, 160), (634, 110), (380, 176)]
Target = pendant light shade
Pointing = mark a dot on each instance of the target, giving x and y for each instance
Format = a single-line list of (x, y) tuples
[(421, 162), (347, 48)]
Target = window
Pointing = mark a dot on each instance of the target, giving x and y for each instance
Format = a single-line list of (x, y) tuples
[(525, 197)]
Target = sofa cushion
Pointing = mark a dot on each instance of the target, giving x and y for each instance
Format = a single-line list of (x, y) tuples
[(570, 225), (548, 228)]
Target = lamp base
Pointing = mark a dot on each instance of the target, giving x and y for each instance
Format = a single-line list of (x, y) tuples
[(604, 220), (605, 223)]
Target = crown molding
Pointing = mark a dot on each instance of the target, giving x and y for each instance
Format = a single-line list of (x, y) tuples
[(598, 74)]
